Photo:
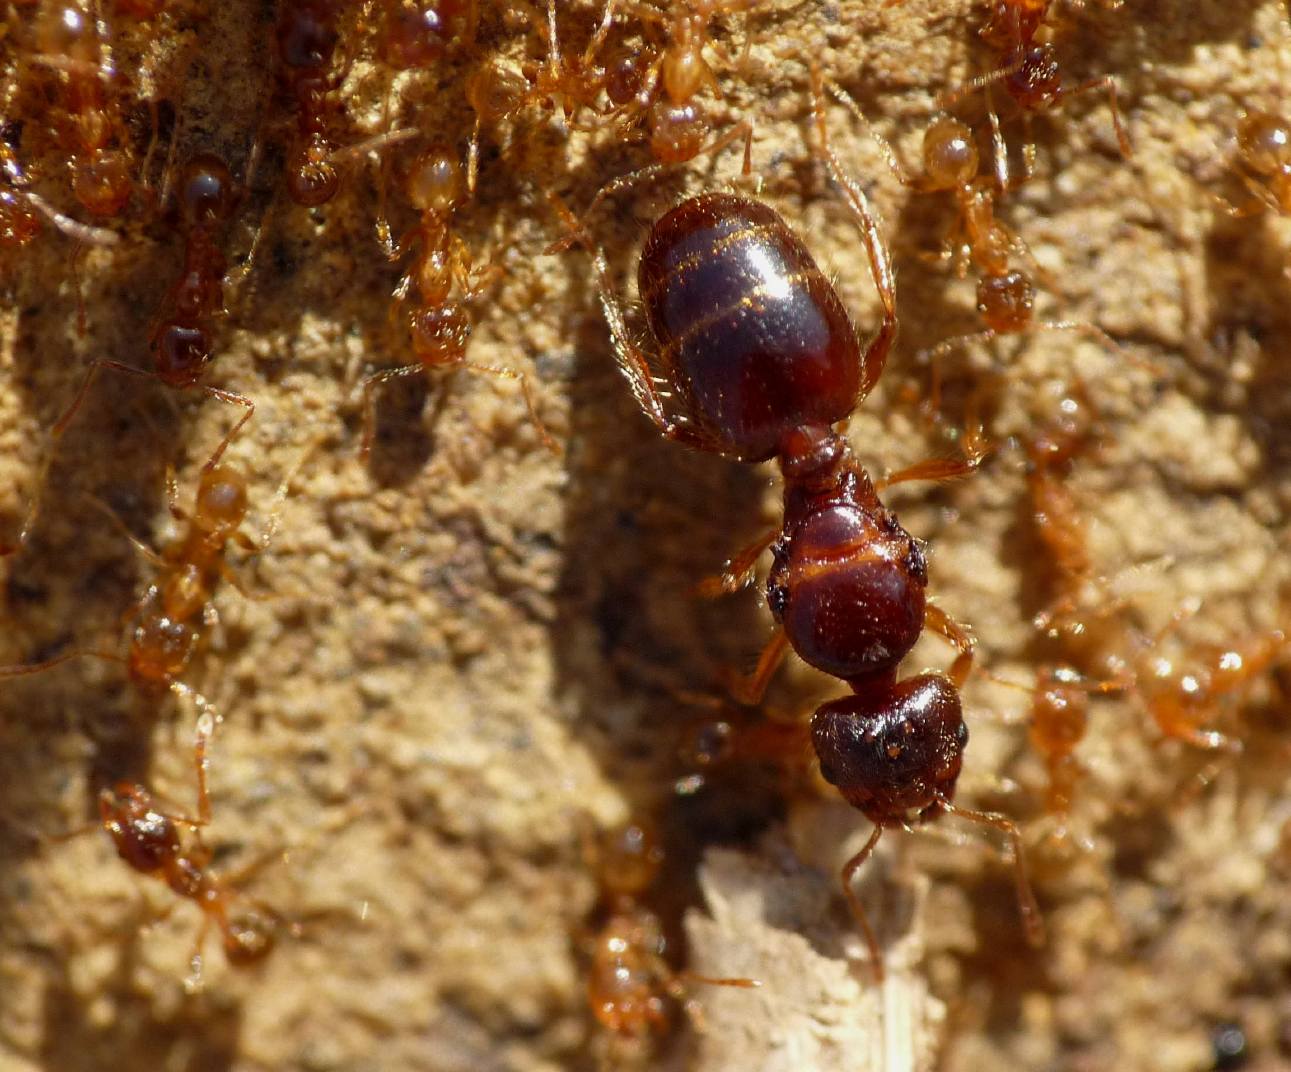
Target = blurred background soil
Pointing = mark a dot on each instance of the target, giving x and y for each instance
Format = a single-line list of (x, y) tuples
[(456, 660)]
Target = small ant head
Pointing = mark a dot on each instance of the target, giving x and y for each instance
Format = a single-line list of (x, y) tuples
[(849, 592), (159, 650), (1006, 301), (439, 334), (495, 91), (221, 500), (415, 34), (102, 183), (630, 859), (205, 191), (312, 178), (1059, 714), (248, 940), (145, 838), (949, 154), (893, 750), (676, 131), (67, 31), (435, 182)]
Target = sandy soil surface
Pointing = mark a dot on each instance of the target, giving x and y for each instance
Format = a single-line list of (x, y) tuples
[(456, 659)]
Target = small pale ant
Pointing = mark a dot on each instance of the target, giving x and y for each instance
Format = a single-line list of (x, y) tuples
[(1185, 696), (306, 35), (182, 337), (1005, 294), (1031, 75), (763, 361), (149, 840), (564, 83), (431, 299), (88, 126), (665, 94), (630, 983)]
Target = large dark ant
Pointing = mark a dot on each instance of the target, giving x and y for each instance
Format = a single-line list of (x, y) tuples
[(757, 349)]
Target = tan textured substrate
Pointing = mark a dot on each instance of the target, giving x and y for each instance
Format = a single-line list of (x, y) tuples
[(460, 650)]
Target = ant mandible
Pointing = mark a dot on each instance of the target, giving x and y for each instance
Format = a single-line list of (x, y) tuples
[(757, 347), (443, 281), (148, 839)]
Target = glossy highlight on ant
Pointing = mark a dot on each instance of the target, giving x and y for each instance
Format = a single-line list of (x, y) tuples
[(170, 618), (1264, 159), (148, 839), (431, 299), (763, 361), (630, 984)]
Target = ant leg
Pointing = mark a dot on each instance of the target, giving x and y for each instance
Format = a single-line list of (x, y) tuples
[(876, 352), (854, 902), (963, 641), (947, 99), (23, 669), (750, 690), (975, 450), (526, 390), (576, 226), (1109, 83), (147, 552), (737, 572), (369, 401), (631, 361), (903, 175), (1032, 921), (233, 400)]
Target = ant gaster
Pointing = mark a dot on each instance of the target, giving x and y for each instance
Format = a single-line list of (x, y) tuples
[(307, 35), (757, 348)]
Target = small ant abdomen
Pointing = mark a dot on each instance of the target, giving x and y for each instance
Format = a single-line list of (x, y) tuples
[(221, 500), (435, 182), (182, 351), (102, 183), (893, 750), (950, 158), (19, 223), (751, 331), (849, 592), (416, 34), (1265, 142), (624, 79), (206, 191), (676, 131), (307, 35), (630, 859), (1006, 301)]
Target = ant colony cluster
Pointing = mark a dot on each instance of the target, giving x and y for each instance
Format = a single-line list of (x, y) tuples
[(188, 191)]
